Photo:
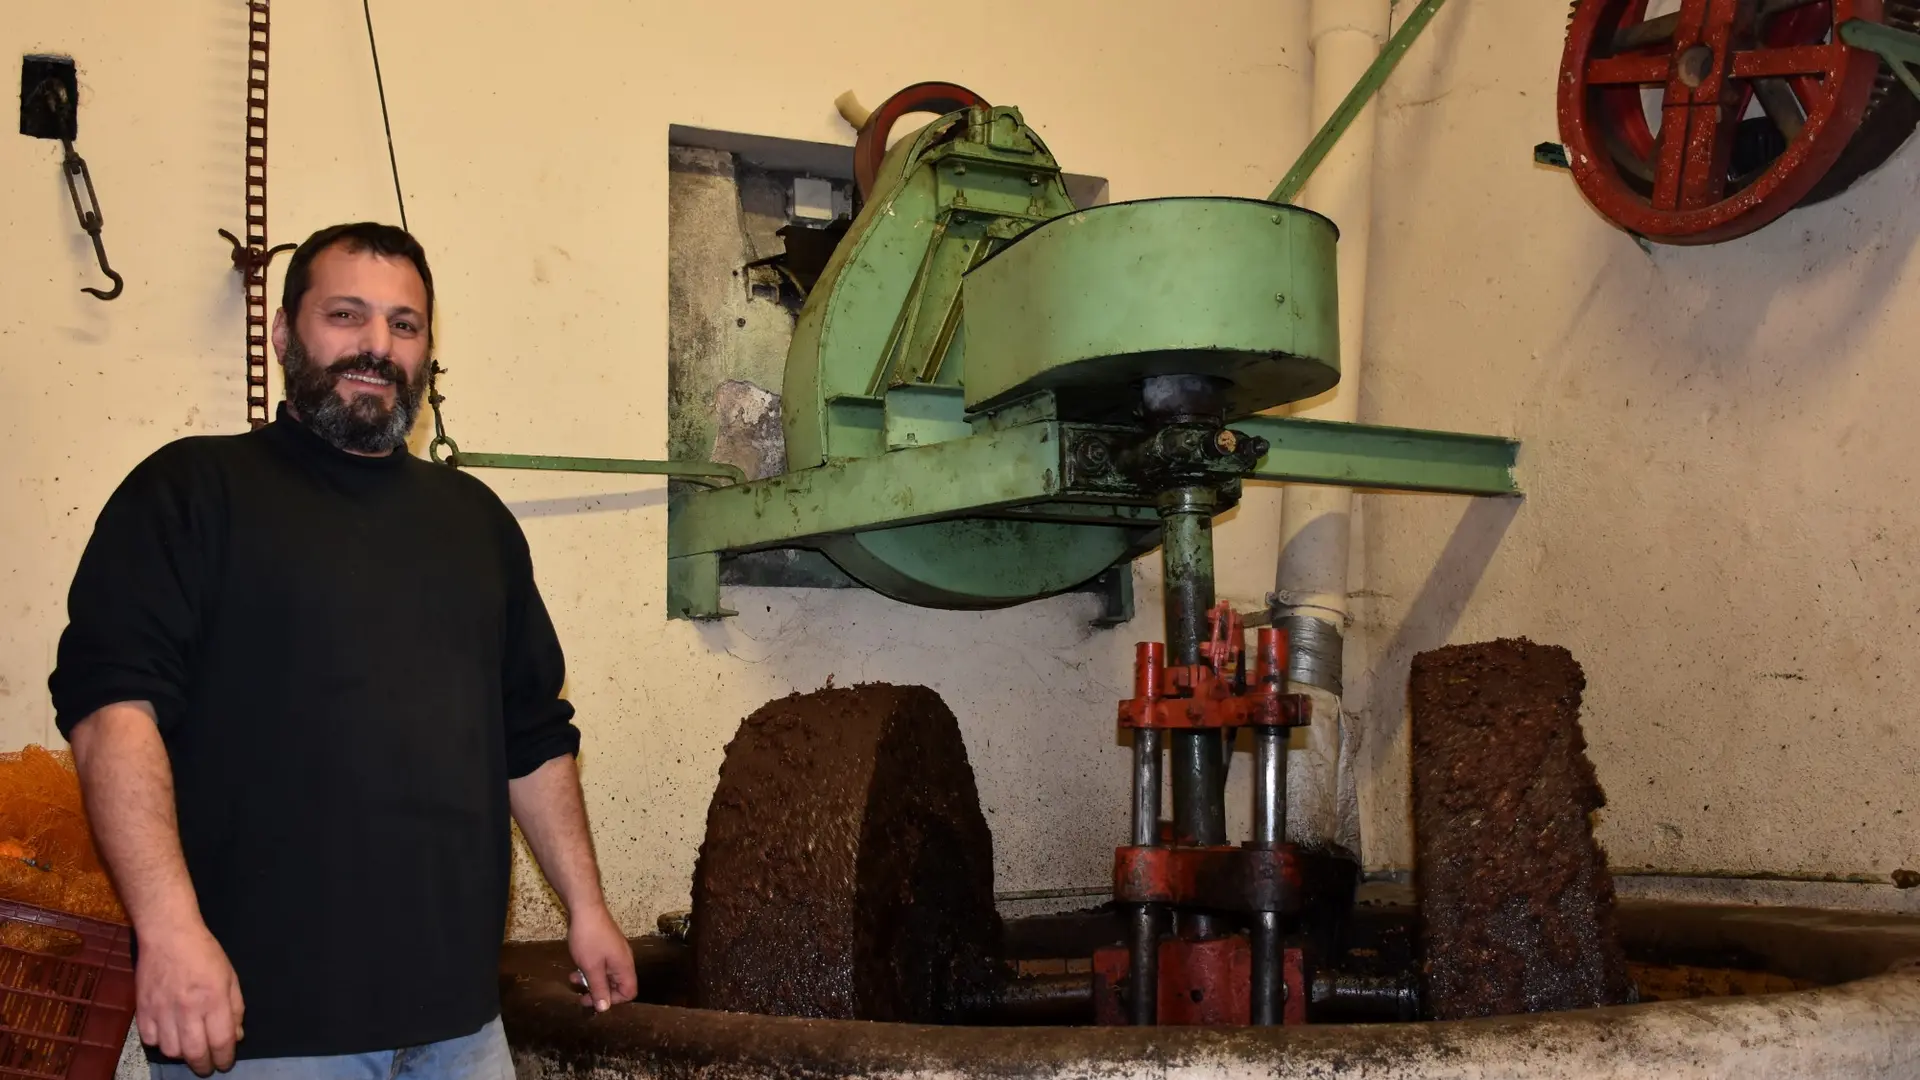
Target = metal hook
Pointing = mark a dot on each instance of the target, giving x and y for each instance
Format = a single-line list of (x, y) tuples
[(90, 220), (244, 258), (73, 165)]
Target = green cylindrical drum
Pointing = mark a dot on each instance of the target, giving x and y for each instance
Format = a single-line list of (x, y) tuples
[(1092, 302)]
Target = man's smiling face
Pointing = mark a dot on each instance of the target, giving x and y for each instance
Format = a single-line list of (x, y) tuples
[(355, 354)]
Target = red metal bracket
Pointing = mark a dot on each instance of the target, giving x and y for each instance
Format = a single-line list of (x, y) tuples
[(1201, 983), (1202, 695), (1221, 878), (1241, 879)]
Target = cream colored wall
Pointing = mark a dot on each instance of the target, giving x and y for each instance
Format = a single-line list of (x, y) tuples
[(532, 143), (1720, 461)]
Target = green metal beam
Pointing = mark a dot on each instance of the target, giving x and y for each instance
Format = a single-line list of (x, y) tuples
[(696, 471), (1897, 47), (950, 479), (1355, 101), (1385, 458), (985, 475)]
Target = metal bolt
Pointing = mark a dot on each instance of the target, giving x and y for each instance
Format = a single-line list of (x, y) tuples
[(1279, 298), (1279, 218), (1033, 179), (1695, 64), (1225, 441), (959, 168), (1092, 454)]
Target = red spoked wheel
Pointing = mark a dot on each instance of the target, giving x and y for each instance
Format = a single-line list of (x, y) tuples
[(1710, 61), (870, 148)]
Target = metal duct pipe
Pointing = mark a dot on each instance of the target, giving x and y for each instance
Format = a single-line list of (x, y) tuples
[(1311, 588)]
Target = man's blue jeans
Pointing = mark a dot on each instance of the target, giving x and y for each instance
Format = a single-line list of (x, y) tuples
[(480, 1056)]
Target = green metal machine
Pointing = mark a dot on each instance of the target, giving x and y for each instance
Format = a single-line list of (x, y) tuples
[(989, 392)]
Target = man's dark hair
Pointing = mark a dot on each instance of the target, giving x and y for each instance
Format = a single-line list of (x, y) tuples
[(388, 241)]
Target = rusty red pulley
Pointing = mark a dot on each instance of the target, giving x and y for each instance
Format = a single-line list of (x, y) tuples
[(1681, 182), (870, 149)]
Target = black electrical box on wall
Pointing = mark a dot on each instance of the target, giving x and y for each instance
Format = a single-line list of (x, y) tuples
[(39, 117)]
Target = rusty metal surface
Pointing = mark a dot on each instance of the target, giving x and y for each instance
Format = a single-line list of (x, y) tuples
[(1201, 983), (1205, 982), (1026, 1000), (1515, 900), (1674, 186), (847, 871)]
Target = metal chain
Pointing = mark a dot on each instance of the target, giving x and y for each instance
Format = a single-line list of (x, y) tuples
[(251, 257)]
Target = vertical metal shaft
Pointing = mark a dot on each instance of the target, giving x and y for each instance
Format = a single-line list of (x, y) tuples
[(1186, 555), (1269, 786), (1143, 972), (1199, 790), (1269, 989), (1143, 930), (1269, 829), (1146, 786)]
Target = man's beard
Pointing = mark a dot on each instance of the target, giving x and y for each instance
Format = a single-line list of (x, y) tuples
[(364, 424)]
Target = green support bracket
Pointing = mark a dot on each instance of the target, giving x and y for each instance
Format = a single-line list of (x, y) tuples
[(1384, 458), (1356, 100), (1897, 47), (693, 587), (706, 472), (1115, 588)]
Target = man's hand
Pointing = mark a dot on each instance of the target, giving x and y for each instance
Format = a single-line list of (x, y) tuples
[(603, 956), (188, 999), (547, 804)]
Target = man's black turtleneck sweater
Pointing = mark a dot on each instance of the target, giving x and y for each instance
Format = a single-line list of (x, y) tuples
[(348, 660)]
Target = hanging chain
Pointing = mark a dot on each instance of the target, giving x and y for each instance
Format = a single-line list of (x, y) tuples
[(440, 438), (252, 257)]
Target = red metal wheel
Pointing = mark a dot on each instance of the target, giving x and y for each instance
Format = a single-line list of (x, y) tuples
[(1710, 60), (870, 148)]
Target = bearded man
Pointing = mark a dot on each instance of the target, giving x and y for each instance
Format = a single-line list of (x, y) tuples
[(308, 680)]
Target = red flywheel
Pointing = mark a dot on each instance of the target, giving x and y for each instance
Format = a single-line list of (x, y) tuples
[(1681, 182)]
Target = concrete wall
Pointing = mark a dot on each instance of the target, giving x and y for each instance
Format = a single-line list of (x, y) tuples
[(533, 147), (1720, 464)]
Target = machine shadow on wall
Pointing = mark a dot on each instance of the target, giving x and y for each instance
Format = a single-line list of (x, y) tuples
[(1430, 620)]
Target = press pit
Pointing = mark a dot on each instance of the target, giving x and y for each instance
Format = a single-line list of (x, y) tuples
[(1727, 991)]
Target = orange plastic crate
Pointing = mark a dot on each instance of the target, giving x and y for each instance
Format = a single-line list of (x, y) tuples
[(66, 994)]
